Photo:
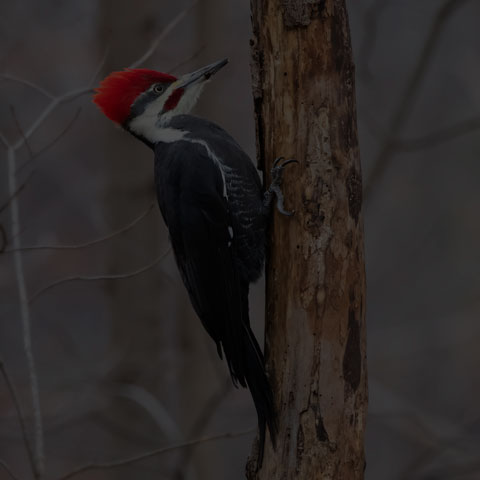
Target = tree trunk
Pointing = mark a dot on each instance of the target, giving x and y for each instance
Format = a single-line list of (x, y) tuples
[(303, 85)]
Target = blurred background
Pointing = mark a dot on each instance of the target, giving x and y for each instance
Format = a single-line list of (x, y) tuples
[(123, 364)]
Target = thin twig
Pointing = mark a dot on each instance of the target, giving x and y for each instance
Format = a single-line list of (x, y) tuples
[(210, 407), (406, 102), (21, 132), (67, 97), (94, 278), (172, 24), (89, 243), (52, 142), (16, 192), (55, 102), (438, 446), (25, 318), (21, 417), (32, 85), (72, 95), (38, 449), (158, 451), (4, 140), (96, 73), (187, 60), (370, 24), (61, 134), (8, 470), (3, 239), (154, 407)]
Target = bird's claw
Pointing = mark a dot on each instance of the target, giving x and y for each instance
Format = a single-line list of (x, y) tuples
[(284, 164), (277, 172)]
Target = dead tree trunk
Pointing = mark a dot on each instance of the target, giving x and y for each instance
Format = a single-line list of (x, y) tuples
[(303, 85)]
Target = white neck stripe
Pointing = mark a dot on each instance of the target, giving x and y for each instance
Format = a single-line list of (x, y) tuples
[(170, 135), (213, 157), (165, 135)]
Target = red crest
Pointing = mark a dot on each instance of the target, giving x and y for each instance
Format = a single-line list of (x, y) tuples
[(118, 91)]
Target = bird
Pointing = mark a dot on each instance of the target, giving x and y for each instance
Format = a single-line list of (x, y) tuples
[(214, 206)]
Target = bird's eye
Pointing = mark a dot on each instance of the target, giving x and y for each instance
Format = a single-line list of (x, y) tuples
[(158, 88)]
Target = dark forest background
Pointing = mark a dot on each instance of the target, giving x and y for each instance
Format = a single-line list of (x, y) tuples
[(123, 364)]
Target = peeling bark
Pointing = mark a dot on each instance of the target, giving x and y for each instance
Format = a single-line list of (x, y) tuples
[(303, 87)]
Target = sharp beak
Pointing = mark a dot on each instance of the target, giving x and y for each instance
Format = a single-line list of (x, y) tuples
[(201, 75)]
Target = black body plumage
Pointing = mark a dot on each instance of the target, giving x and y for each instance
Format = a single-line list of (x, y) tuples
[(211, 199)]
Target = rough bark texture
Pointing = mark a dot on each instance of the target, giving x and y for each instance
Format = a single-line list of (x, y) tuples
[(303, 85)]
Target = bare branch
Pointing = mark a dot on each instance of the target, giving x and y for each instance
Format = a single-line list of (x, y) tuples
[(52, 142), (72, 95), (20, 131), (67, 97), (371, 20), (158, 451), (188, 59), (25, 316), (3, 239), (61, 134), (407, 101), (76, 246), (153, 406), (438, 445), (100, 66), (27, 83), (38, 449), (56, 101), (173, 23), (21, 417), (4, 140), (94, 278), (8, 470), (16, 192), (210, 407)]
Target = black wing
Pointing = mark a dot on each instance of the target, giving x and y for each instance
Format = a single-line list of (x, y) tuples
[(191, 195)]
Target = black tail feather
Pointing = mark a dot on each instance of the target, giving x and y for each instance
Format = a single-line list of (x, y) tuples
[(260, 389), (247, 367)]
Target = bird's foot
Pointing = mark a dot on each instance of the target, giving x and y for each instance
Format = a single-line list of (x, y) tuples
[(274, 189)]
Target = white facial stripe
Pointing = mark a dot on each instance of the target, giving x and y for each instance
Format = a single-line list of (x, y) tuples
[(152, 119), (186, 103), (145, 123)]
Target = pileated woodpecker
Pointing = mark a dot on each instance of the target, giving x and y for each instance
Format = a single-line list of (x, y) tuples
[(211, 199)]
